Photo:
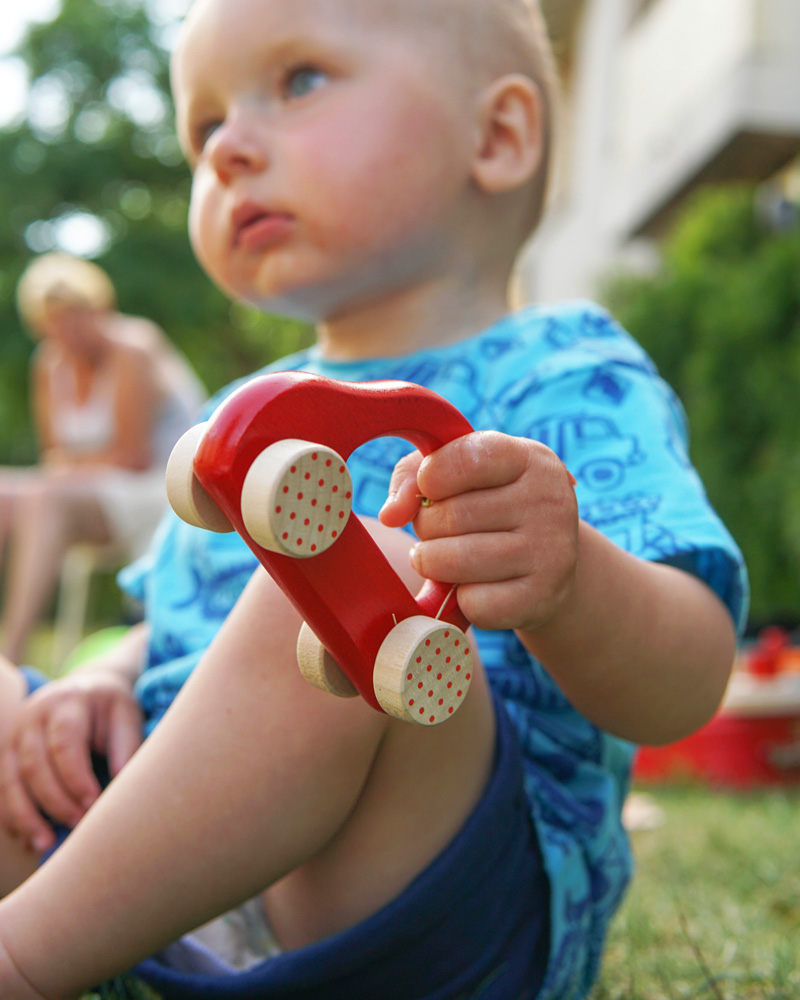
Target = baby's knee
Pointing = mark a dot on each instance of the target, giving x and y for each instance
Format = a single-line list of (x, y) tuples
[(395, 545)]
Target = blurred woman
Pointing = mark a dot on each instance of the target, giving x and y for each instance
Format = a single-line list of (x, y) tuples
[(110, 396)]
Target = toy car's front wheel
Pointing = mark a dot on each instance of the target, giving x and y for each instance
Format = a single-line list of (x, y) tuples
[(185, 493), (296, 498)]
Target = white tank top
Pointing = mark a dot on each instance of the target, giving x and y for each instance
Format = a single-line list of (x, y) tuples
[(81, 426), (87, 426)]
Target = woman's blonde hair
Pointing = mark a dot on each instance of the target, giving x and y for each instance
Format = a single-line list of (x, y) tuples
[(62, 278)]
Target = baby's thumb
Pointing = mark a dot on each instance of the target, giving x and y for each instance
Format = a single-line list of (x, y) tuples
[(125, 735), (404, 497)]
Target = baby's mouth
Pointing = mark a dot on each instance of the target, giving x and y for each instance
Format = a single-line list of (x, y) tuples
[(255, 227)]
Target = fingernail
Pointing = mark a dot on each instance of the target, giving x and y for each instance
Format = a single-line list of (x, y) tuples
[(414, 555), (41, 842)]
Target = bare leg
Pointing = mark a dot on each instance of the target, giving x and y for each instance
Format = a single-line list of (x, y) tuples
[(252, 778), (16, 862), (57, 512), (14, 483)]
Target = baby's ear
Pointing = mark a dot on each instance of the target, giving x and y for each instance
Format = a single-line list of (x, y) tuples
[(511, 134)]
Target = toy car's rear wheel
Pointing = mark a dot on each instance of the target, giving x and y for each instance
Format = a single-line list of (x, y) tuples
[(296, 498), (423, 670), (319, 667), (185, 492)]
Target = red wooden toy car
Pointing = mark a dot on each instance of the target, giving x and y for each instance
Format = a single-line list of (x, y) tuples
[(271, 464)]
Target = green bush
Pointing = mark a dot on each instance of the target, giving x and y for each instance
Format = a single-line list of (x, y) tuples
[(130, 177), (721, 320)]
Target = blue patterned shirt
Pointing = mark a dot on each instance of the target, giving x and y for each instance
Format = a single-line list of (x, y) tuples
[(571, 378)]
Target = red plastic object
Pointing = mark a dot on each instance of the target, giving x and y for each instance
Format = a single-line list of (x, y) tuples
[(348, 594), (731, 751), (765, 657)]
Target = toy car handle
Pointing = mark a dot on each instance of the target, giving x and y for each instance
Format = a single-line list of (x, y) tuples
[(256, 466)]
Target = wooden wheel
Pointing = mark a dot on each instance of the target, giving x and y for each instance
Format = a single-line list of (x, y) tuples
[(296, 498), (423, 670), (319, 667), (185, 493)]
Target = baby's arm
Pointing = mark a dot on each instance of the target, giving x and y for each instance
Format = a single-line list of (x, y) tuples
[(642, 649)]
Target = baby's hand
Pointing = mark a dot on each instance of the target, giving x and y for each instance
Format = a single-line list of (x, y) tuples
[(501, 522), (46, 764)]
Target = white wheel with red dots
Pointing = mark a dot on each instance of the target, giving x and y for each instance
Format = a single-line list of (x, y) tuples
[(423, 670), (319, 667), (296, 498), (185, 493)]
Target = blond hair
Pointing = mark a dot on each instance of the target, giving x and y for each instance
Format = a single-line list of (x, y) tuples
[(62, 278), (520, 43), (494, 38)]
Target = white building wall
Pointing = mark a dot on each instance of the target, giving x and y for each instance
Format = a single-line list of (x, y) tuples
[(657, 101), (676, 53)]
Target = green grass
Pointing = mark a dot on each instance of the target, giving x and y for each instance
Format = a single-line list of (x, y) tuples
[(714, 909)]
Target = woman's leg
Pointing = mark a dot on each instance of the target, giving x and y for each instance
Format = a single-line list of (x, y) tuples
[(57, 512), (14, 484)]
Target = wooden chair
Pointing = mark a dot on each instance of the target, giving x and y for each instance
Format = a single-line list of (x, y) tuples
[(81, 562)]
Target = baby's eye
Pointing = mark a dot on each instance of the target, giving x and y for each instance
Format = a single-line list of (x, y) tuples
[(203, 131), (302, 80)]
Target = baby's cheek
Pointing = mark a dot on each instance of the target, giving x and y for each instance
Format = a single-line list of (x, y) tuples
[(200, 227)]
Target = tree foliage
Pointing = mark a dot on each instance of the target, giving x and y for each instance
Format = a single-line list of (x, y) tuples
[(98, 143), (722, 321)]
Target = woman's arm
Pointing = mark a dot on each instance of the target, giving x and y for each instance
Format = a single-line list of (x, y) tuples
[(136, 399), (42, 405)]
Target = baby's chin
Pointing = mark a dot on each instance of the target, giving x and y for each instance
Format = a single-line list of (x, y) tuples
[(289, 306)]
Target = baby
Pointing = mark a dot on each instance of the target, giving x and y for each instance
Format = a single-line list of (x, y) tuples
[(375, 167)]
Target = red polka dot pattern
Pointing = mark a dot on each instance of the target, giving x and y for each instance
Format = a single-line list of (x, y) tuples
[(314, 497), (296, 498), (427, 675)]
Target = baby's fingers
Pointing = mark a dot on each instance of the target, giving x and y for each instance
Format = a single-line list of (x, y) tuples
[(20, 815), (473, 462), (486, 558), (125, 733), (404, 497), (68, 743), (43, 781)]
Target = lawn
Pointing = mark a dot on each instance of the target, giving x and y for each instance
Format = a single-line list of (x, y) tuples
[(714, 909)]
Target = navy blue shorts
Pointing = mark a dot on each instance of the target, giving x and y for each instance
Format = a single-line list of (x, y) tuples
[(474, 924)]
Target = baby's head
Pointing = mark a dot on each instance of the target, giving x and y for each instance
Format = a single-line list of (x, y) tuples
[(350, 147)]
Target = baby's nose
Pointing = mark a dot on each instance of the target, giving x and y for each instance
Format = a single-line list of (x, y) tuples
[(238, 146)]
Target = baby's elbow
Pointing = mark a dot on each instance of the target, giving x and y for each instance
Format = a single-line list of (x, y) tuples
[(720, 668), (712, 672)]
